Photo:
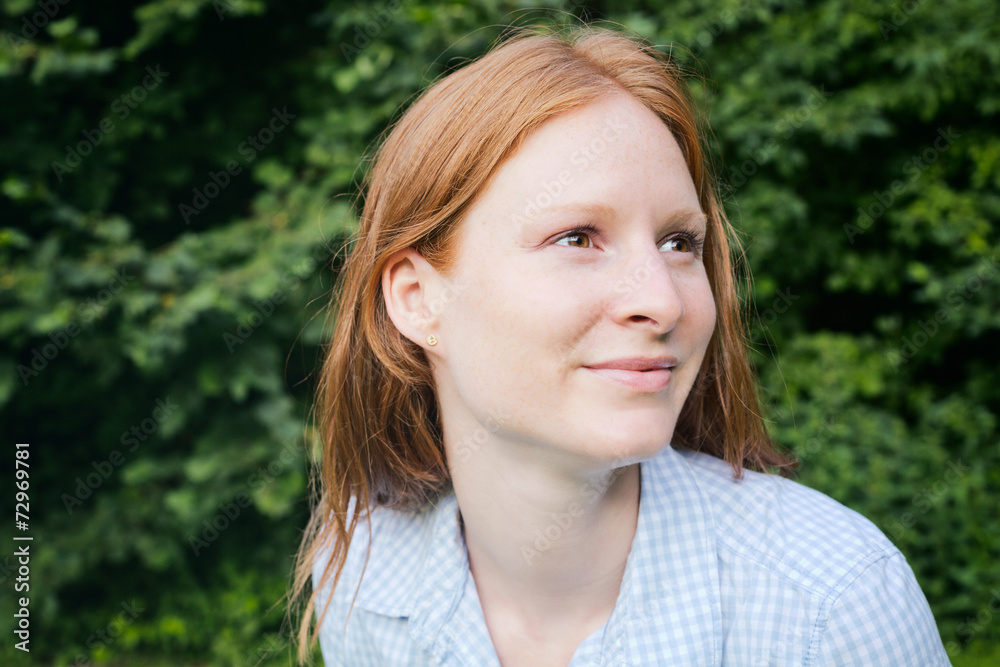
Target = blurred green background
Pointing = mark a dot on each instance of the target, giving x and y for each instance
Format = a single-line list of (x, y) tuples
[(175, 179)]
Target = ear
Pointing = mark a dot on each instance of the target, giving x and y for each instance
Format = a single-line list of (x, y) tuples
[(407, 285)]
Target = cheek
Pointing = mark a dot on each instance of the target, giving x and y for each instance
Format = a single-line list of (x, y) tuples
[(494, 325), (532, 305), (699, 307), (515, 331)]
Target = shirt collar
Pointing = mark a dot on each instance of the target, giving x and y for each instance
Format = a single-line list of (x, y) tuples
[(419, 565), (414, 558)]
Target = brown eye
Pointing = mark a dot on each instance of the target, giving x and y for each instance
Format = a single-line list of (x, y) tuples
[(578, 236), (680, 244)]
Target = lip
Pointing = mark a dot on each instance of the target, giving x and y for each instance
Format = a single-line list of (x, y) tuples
[(637, 363), (647, 374)]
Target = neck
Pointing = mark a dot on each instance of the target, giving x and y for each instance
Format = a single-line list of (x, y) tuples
[(548, 537)]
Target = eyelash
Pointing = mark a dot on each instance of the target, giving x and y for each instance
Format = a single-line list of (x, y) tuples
[(693, 236)]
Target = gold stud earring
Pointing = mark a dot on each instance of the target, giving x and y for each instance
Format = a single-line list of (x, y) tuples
[(431, 340)]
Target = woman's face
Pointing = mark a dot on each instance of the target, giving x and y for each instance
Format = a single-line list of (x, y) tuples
[(533, 304)]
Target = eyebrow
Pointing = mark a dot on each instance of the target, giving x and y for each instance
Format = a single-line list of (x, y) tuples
[(597, 209)]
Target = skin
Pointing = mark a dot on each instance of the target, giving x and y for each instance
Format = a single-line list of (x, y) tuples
[(537, 444)]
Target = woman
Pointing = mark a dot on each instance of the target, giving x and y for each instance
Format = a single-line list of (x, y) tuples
[(538, 390)]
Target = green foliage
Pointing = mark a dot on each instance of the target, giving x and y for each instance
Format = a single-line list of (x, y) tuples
[(174, 184)]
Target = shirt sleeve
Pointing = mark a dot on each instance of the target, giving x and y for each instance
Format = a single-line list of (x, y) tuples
[(882, 618)]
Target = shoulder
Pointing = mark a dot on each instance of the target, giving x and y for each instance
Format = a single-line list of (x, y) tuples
[(380, 557), (802, 534), (807, 551), (365, 623)]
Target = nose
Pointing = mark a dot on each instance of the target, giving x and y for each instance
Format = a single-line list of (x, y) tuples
[(646, 294)]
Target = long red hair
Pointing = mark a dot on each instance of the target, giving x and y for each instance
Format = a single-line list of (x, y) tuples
[(376, 409)]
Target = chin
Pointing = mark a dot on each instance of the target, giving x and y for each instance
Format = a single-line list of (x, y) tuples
[(631, 445)]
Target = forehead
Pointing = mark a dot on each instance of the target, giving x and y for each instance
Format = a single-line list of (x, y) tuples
[(600, 134), (613, 154)]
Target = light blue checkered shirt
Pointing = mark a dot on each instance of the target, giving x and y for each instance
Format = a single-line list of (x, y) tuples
[(760, 572)]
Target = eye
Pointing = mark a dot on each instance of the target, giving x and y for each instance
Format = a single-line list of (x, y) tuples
[(680, 244), (579, 233), (687, 242)]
